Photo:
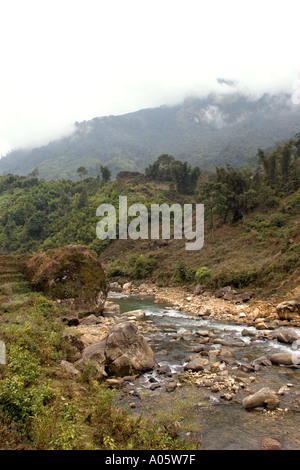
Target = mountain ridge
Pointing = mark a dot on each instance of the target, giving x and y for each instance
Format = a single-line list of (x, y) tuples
[(203, 131)]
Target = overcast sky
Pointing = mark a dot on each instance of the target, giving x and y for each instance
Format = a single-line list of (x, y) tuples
[(71, 60)]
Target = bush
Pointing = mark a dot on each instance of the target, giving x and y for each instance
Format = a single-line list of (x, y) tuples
[(143, 267), (238, 279), (278, 220), (116, 429), (57, 429), (203, 275), (21, 396)]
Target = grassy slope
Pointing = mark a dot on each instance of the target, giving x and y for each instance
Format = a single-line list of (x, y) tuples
[(42, 407), (255, 245), (261, 251)]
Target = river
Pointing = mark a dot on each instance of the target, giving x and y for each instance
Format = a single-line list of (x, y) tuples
[(208, 418)]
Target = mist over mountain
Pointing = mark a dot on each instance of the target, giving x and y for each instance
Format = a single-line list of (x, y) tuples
[(203, 131)]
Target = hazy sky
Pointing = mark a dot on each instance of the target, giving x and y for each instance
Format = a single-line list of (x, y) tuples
[(71, 60)]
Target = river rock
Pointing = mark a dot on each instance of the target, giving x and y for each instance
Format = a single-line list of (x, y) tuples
[(203, 333), (111, 309), (261, 326), (264, 397), (247, 332), (127, 351), (263, 361), (90, 320), (196, 364), (198, 289), (203, 340), (230, 295), (115, 287), (198, 349), (221, 292), (243, 297), (122, 352), (171, 386), (286, 335), (164, 370), (268, 443), (287, 359), (134, 313), (127, 286), (289, 309)]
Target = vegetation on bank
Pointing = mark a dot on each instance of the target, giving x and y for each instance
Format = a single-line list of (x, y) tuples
[(41, 407)]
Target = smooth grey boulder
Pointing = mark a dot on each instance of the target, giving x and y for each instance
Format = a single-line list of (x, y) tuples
[(123, 351)]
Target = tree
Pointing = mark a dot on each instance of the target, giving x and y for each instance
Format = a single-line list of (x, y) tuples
[(185, 177), (237, 190), (105, 174), (161, 169), (82, 171), (281, 166), (214, 201)]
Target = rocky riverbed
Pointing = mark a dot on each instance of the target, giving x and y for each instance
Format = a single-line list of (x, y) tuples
[(227, 374)]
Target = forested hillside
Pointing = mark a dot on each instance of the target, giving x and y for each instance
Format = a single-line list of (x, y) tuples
[(207, 132), (252, 220)]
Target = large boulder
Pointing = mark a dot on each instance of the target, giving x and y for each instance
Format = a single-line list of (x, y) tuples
[(289, 309), (128, 351), (123, 351), (264, 397), (72, 276)]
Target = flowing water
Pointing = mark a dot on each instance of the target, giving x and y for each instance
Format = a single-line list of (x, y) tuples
[(225, 425)]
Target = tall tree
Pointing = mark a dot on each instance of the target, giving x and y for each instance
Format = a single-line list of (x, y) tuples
[(215, 202), (82, 171), (105, 174), (185, 177)]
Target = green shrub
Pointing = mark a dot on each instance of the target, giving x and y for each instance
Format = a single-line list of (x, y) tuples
[(117, 268), (238, 279), (57, 428), (143, 267), (278, 220), (183, 273), (21, 395), (116, 429), (203, 275)]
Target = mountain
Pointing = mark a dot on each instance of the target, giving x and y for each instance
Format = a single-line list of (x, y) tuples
[(204, 131)]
